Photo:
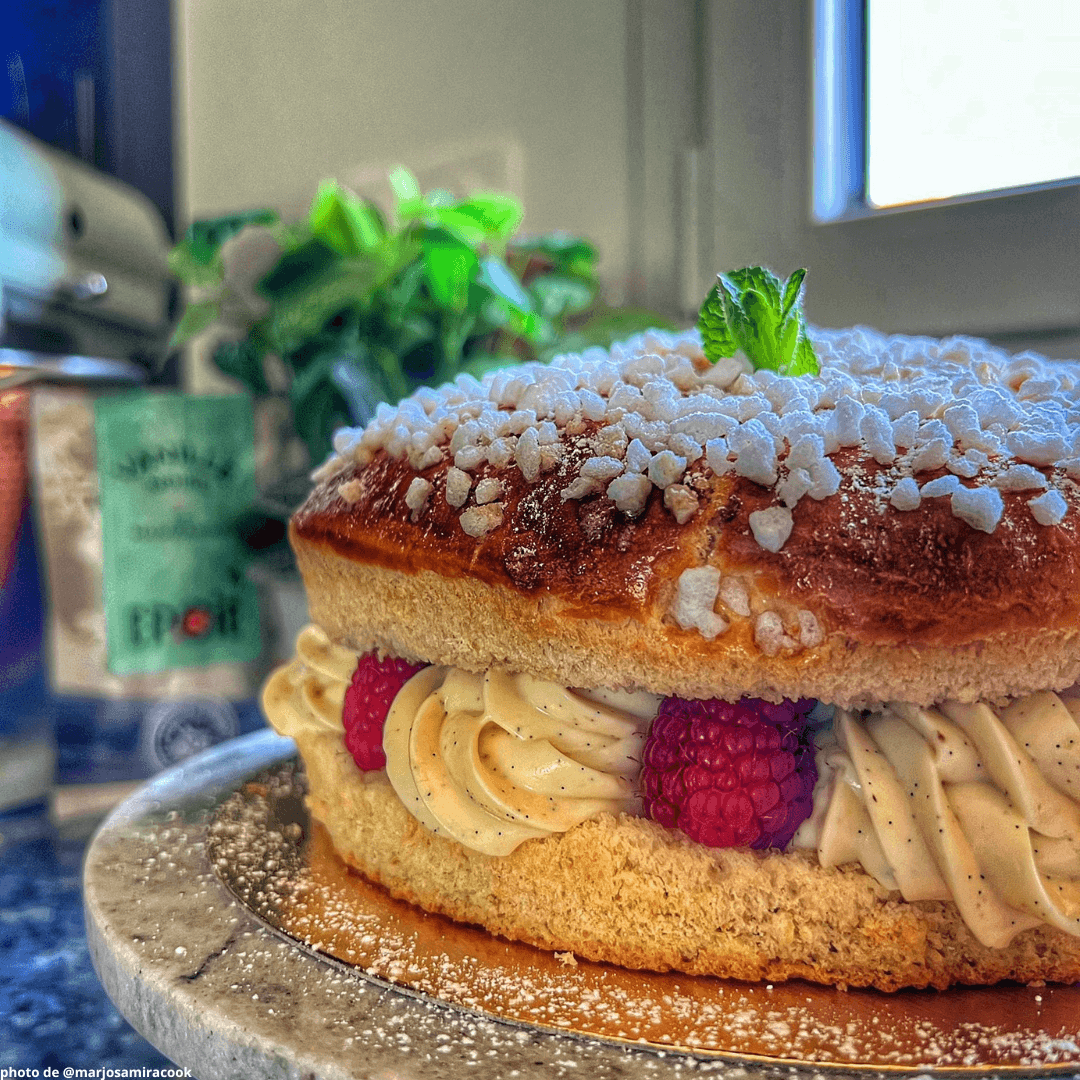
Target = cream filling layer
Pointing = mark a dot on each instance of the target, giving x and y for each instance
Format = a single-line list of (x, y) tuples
[(496, 759), (490, 760), (967, 803), (308, 693)]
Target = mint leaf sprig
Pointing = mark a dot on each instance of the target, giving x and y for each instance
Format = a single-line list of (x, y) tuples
[(752, 310)]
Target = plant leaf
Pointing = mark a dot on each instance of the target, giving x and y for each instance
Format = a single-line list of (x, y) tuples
[(752, 310), (563, 248), (713, 325), (804, 360), (199, 275), (203, 239), (559, 296), (539, 330), (455, 332), (500, 281), (754, 314), (299, 315), (319, 409), (408, 201), (438, 198), (243, 361), (314, 369), (756, 280), (403, 292), (387, 363), (466, 228), (196, 318), (792, 300), (297, 269), (499, 215), (360, 385), (450, 266), (343, 222)]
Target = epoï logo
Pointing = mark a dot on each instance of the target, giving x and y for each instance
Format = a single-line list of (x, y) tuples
[(152, 623)]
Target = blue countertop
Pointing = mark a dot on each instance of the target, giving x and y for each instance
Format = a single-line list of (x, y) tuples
[(53, 1011)]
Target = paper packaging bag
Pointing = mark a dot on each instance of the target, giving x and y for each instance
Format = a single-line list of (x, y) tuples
[(153, 628)]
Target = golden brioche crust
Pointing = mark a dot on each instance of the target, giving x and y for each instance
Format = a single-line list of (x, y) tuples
[(633, 893), (914, 577), (468, 623), (915, 606)]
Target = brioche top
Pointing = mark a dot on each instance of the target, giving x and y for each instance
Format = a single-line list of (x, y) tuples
[(917, 492)]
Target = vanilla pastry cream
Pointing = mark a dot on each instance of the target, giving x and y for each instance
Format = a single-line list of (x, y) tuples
[(490, 760), (495, 759), (964, 802), (308, 693)]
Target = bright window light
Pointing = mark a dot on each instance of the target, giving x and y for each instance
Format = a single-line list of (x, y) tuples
[(965, 97)]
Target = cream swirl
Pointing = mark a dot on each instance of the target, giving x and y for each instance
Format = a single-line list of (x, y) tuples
[(492, 760), (308, 693), (966, 803)]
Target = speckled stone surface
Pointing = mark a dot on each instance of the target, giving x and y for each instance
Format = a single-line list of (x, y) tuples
[(221, 994), (53, 1012)]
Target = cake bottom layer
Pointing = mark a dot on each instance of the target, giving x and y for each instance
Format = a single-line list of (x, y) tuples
[(627, 891)]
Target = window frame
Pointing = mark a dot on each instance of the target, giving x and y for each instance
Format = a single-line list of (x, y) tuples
[(1003, 267)]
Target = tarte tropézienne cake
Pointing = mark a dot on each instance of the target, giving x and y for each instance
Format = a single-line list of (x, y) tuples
[(675, 662)]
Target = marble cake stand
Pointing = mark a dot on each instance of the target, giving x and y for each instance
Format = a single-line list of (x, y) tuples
[(222, 993)]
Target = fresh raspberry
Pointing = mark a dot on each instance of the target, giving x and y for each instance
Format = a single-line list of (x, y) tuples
[(730, 775), (375, 684)]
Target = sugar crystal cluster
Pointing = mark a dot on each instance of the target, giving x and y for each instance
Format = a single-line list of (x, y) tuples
[(995, 422)]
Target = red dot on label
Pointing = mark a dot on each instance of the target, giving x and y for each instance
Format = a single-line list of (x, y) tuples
[(196, 622)]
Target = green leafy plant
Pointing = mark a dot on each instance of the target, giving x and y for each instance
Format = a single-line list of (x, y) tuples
[(752, 310), (360, 308)]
